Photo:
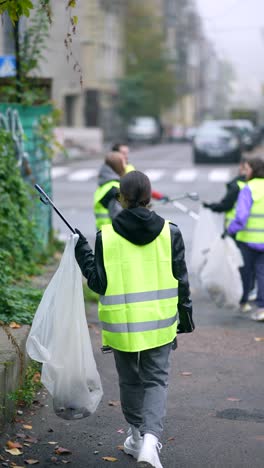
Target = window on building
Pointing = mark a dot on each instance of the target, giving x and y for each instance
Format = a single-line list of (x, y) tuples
[(70, 106)]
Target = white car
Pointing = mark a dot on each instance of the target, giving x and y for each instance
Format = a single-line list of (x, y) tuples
[(143, 129)]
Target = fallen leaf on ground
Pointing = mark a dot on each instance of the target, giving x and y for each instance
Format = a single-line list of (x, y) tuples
[(27, 426), (52, 443), (121, 431), (110, 459), (95, 328), (233, 399), (185, 374), (31, 440), (171, 438), (65, 461), (62, 451), (14, 451), (120, 447), (17, 466), (14, 325), (21, 435), (31, 461), (259, 338), (113, 403), (10, 444)]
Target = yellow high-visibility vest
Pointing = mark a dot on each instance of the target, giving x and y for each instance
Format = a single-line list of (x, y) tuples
[(253, 232), (100, 212), (139, 308)]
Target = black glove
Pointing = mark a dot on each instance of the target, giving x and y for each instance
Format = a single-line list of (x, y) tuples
[(186, 324), (206, 205), (82, 239)]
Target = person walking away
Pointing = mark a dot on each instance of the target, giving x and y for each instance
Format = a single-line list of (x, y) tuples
[(139, 270), (124, 149), (248, 226), (228, 206), (106, 206)]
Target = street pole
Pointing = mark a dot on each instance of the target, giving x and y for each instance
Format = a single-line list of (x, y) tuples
[(18, 65)]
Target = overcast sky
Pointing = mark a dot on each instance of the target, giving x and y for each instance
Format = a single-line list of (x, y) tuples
[(236, 27)]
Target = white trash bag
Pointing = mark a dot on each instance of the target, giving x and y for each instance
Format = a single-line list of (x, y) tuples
[(207, 229), (220, 275), (59, 338)]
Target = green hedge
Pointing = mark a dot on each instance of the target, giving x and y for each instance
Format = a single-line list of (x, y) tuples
[(18, 242)]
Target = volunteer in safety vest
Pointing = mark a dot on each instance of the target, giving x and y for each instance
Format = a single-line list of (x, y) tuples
[(228, 203), (248, 226), (124, 149), (106, 206), (140, 273)]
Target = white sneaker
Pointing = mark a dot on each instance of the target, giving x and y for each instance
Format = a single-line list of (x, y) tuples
[(148, 456), (244, 308), (258, 316), (252, 295), (133, 442)]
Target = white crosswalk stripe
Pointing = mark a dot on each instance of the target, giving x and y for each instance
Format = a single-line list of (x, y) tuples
[(219, 175), (59, 172), (185, 175), (191, 174), (82, 175), (155, 174)]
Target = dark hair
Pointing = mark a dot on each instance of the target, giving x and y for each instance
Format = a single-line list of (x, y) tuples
[(257, 166), (136, 189), (116, 146)]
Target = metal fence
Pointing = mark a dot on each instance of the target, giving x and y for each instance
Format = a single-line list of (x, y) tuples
[(34, 164)]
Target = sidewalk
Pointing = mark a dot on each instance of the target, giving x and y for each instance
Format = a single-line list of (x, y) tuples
[(215, 414)]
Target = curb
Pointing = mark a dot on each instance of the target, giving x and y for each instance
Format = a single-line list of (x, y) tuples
[(12, 368)]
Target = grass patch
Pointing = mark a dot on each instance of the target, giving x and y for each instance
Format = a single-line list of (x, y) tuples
[(25, 395)]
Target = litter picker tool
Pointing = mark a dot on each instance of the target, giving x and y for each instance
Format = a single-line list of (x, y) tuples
[(47, 201)]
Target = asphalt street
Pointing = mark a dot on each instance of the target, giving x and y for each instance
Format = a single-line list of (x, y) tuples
[(215, 416)]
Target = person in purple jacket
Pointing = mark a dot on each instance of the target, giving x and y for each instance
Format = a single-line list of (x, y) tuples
[(248, 226)]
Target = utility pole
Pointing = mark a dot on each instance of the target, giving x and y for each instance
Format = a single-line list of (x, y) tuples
[(18, 64)]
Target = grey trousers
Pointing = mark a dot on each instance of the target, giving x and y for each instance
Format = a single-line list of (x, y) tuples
[(143, 382)]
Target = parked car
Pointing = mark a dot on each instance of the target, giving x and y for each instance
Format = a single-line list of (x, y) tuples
[(144, 129), (215, 144), (245, 131)]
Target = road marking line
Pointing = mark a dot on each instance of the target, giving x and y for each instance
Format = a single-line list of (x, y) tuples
[(58, 172), (219, 175), (185, 175), (154, 174), (82, 175)]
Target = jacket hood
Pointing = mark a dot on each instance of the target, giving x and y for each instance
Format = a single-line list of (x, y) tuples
[(241, 178), (106, 174), (138, 225)]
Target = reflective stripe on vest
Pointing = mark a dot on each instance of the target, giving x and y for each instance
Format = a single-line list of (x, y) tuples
[(139, 297), (139, 326), (139, 308), (100, 212), (254, 229), (231, 214)]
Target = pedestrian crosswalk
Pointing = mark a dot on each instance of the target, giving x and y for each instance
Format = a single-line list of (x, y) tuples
[(188, 175)]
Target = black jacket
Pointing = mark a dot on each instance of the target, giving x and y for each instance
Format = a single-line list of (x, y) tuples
[(140, 226), (230, 198)]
